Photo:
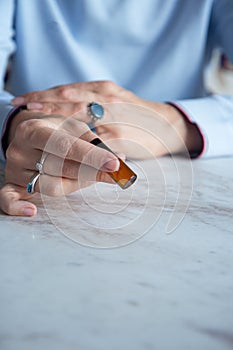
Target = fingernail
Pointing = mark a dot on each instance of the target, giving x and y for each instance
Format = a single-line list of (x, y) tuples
[(28, 211), (34, 105), (111, 165), (18, 101)]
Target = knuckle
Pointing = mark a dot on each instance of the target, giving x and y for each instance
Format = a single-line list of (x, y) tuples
[(108, 85), (33, 96), (64, 146), (27, 126), (21, 127), (11, 152), (64, 92), (26, 129), (69, 170)]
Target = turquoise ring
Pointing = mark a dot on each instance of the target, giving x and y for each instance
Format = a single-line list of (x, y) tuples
[(31, 185), (39, 165), (95, 111)]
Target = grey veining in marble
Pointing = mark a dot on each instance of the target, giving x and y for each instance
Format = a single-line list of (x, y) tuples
[(162, 291)]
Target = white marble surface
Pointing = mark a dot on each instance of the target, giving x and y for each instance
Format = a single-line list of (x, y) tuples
[(162, 291)]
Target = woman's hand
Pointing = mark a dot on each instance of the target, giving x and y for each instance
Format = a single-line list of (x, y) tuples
[(131, 125), (72, 161)]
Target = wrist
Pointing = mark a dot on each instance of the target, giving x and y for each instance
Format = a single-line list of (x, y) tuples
[(179, 134), (192, 136), (177, 137), (12, 115), (17, 116)]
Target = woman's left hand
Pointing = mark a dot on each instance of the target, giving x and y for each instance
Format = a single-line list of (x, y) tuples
[(131, 125)]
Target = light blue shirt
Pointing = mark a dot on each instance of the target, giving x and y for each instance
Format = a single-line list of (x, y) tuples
[(156, 48)]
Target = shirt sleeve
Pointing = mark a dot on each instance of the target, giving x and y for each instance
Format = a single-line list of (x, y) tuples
[(214, 118), (6, 49), (214, 114)]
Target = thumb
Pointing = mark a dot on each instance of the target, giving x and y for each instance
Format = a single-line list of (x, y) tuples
[(12, 201)]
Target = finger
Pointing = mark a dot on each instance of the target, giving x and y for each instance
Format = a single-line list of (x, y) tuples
[(22, 158), (64, 93), (67, 146), (69, 169), (12, 203), (58, 186), (56, 172), (27, 159), (49, 95), (99, 91), (77, 110), (74, 111), (52, 165)]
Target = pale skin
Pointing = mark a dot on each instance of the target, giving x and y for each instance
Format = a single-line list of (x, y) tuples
[(56, 122)]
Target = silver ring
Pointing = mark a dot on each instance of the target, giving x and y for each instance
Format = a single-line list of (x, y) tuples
[(31, 185), (39, 165), (96, 112)]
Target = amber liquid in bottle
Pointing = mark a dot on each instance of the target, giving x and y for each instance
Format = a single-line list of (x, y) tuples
[(124, 176)]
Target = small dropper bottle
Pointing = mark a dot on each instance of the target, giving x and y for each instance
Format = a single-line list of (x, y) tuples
[(124, 176)]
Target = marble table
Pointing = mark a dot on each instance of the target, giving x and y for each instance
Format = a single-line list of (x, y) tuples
[(149, 268)]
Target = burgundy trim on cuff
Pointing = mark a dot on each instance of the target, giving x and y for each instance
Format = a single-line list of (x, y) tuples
[(192, 154), (11, 115)]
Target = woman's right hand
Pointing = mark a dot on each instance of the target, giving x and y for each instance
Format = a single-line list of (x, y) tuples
[(72, 162)]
